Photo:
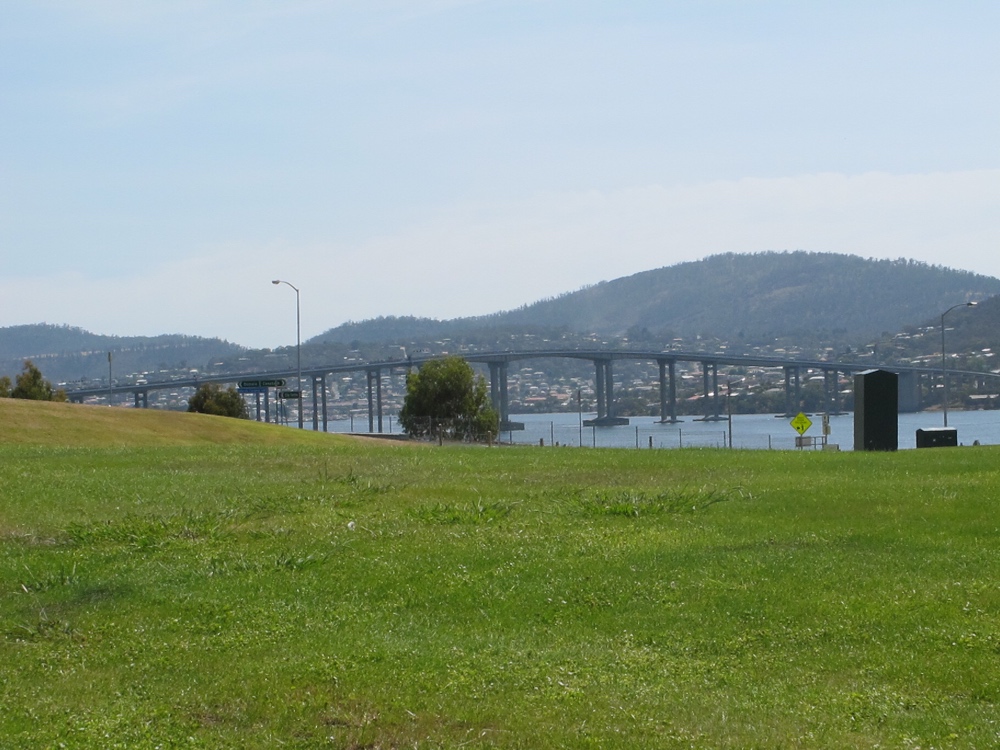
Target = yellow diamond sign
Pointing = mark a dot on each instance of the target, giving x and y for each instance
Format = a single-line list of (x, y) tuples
[(801, 423)]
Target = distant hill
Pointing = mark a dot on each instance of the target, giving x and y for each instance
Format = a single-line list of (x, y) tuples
[(803, 300), (973, 335), (752, 297), (66, 353)]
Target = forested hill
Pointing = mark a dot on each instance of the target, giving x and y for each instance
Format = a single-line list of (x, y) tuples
[(70, 353), (751, 297)]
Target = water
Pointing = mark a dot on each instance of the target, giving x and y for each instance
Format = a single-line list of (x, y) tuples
[(750, 431)]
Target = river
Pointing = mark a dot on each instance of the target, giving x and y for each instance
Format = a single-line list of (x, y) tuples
[(749, 431)]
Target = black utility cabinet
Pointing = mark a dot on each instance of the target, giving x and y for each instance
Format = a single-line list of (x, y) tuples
[(937, 437), (876, 411)]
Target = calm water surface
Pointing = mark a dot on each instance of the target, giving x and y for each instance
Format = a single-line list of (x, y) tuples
[(750, 431)]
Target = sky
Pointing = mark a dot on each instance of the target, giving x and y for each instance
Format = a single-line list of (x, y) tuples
[(162, 162)]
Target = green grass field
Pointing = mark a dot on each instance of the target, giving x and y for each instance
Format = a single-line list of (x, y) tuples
[(170, 580)]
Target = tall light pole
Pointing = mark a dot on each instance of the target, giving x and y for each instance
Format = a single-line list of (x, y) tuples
[(944, 360), (298, 344)]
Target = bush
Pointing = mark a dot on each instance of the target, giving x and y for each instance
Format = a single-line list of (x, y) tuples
[(211, 398), (31, 385)]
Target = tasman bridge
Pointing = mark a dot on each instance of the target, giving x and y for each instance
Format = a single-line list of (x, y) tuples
[(910, 381)]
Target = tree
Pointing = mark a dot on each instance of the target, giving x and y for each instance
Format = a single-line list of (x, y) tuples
[(446, 395), (5, 386), (31, 385), (211, 398)]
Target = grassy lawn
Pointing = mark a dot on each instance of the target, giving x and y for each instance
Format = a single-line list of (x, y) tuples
[(200, 582)]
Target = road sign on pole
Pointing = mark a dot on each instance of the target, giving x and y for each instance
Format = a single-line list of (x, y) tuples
[(272, 383), (801, 423), (290, 394)]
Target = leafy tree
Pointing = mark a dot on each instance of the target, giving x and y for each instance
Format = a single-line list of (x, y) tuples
[(5, 387), (31, 385), (446, 395), (211, 398)]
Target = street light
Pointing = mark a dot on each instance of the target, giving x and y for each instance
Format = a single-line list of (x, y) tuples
[(298, 344), (944, 360)]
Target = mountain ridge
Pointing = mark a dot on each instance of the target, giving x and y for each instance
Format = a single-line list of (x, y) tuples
[(761, 301), (757, 296)]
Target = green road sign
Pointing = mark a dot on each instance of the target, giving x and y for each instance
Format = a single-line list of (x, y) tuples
[(274, 383), (291, 394)]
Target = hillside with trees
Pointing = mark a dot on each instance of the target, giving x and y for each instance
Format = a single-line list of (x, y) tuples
[(66, 353), (753, 298), (799, 304)]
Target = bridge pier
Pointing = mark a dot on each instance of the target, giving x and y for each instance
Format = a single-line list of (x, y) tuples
[(375, 409), (668, 391), (909, 392), (831, 391), (319, 391), (793, 391), (141, 399), (604, 385), (716, 401), (599, 387), (710, 392), (499, 396)]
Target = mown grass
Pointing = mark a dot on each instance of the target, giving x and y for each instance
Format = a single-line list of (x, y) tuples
[(330, 593)]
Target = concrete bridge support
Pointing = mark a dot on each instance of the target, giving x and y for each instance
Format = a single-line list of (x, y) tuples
[(604, 385), (716, 401), (909, 392), (831, 391), (319, 401), (141, 399), (704, 388), (668, 391), (602, 409), (499, 396), (495, 388), (374, 405), (793, 391), (710, 392)]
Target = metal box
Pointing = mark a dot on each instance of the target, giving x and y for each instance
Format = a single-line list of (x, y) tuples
[(876, 411), (937, 437)]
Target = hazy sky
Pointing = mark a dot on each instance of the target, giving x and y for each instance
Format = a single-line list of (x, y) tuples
[(161, 162)]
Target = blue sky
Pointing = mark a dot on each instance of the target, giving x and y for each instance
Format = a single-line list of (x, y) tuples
[(160, 163)]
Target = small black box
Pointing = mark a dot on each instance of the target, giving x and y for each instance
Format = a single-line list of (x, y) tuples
[(937, 437)]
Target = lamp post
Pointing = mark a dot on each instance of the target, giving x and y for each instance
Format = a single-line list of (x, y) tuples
[(944, 360), (298, 344)]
